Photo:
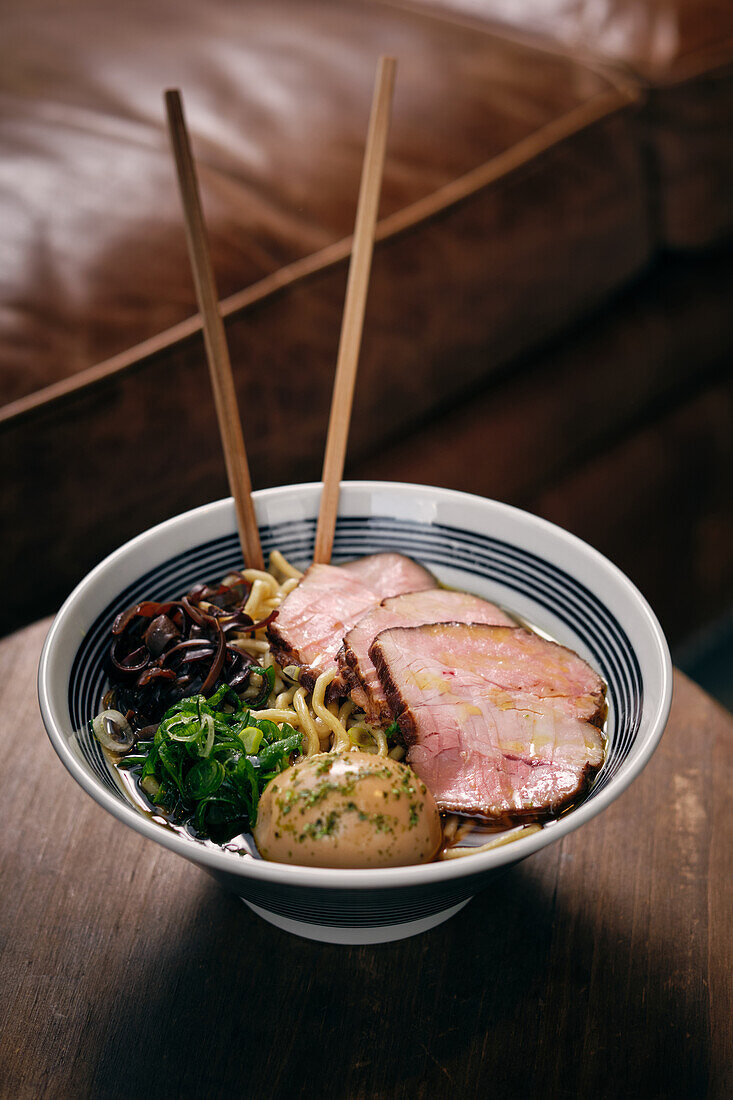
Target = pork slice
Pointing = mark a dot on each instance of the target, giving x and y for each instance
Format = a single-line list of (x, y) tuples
[(499, 722), (434, 605), (390, 574), (327, 602), (310, 624)]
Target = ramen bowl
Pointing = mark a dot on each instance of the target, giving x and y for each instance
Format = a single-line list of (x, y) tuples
[(541, 573)]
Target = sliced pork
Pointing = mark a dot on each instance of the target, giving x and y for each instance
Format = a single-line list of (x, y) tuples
[(390, 574), (499, 723), (434, 605), (327, 602)]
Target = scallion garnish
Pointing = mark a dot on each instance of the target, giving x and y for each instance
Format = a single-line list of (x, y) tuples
[(391, 731), (211, 759)]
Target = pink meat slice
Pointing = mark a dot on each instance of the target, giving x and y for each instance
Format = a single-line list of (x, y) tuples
[(390, 574), (434, 605), (499, 722), (327, 602)]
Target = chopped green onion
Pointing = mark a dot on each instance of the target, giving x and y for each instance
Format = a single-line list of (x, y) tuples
[(191, 727), (150, 785), (211, 759), (208, 722), (204, 778), (391, 731), (131, 760), (251, 738)]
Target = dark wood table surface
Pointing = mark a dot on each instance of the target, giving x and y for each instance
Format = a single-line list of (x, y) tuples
[(602, 966)]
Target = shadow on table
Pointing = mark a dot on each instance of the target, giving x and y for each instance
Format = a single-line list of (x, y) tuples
[(514, 996)]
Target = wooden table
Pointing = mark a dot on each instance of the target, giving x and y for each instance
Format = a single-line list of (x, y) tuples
[(600, 967)]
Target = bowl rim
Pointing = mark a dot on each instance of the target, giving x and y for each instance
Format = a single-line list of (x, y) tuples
[(295, 875)]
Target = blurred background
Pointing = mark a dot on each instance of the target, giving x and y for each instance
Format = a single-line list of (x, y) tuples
[(550, 319)]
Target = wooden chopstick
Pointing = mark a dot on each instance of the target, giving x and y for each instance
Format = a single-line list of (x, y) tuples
[(217, 352), (354, 306)]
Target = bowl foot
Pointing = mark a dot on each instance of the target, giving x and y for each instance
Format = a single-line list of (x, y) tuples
[(386, 933)]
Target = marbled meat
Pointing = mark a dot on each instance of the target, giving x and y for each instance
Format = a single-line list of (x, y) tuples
[(327, 602), (434, 605), (499, 722)]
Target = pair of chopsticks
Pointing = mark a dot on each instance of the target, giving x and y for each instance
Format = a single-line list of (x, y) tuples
[(217, 352)]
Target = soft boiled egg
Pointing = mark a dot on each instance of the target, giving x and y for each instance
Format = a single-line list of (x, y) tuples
[(347, 809)]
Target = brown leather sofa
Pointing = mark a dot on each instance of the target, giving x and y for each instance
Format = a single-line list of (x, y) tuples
[(549, 319)]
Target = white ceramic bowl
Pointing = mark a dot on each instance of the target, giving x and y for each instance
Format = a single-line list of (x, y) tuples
[(547, 576)]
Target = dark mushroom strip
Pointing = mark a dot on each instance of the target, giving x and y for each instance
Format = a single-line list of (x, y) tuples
[(263, 622), (202, 646), (213, 676), (133, 662), (238, 620), (155, 673), (234, 651), (242, 680), (198, 616), (161, 632), (119, 626), (148, 609), (199, 654), (162, 651)]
